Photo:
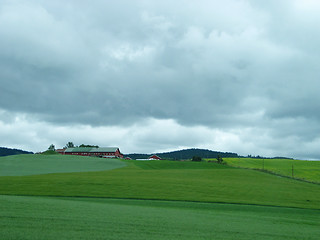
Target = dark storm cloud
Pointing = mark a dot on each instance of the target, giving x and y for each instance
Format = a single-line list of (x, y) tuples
[(133, 64), (232, 66)]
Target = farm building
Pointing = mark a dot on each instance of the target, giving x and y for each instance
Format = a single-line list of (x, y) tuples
[(93, 151), (154, 157), (61, 151)]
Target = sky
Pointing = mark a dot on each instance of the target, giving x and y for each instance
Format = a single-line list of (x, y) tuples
[(152, 76)]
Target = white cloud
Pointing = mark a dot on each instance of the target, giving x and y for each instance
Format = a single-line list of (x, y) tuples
[(307, 5), (151, 135)]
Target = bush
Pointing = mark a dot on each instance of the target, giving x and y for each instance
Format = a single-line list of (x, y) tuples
[(49, 152), (219, 159), (196, 159)]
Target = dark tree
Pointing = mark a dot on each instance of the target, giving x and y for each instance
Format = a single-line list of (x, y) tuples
[(52, 147), (70, 145), (196, 159), (87, 145), (219, 159)]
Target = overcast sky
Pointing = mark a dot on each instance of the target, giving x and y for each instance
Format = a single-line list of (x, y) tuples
[(151, 76)]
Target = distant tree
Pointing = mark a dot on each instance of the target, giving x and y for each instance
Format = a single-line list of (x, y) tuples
[(51, 148), (196, 159), (84, 145), (219, 159), (70, 145)]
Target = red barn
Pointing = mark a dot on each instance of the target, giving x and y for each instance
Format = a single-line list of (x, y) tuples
[(61, 151), (92, 151), (154, 157)]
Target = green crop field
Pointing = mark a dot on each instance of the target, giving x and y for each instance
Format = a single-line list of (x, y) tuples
[(164, 180), (19, 165), (93, 218), (306, 170), (162, 199)]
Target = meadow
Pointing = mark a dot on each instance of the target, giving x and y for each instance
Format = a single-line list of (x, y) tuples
[(26, 164), (96, 218), (300, 169), (162, 199)]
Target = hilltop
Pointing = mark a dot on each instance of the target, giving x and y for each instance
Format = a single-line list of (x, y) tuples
[(185, 154), (9, 151)]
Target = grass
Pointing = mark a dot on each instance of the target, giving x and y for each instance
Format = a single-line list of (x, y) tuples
[(50, 152), (163, 164), (27, 164), (94, 218), (167, 180), (62, 197), (306, 170)]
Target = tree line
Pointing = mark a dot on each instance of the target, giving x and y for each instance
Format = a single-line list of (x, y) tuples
[(52, 147), (11, 151), (186, 154)]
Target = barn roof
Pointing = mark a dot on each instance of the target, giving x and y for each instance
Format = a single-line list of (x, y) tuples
[(105, 149), (92, 149), (60, 150), (79, 149)]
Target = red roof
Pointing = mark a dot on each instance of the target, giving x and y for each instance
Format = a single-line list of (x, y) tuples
[(60, 150)]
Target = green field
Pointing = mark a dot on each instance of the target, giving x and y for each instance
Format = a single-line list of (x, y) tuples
[(170, 180), (163, 199), (94, 218), (20, 165), (306, 170)]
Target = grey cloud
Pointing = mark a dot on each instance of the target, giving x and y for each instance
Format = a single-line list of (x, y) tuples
[(230, 65)]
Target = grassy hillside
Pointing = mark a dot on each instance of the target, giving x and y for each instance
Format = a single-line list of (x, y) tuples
[(90, 218), (167, 180), (307, 170), (176, 165), (19, 165), (56, 205)]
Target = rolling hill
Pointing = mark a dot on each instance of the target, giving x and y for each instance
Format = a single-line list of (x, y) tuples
[(127, 199), (185, 154), (9, 151), (165, 180)]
